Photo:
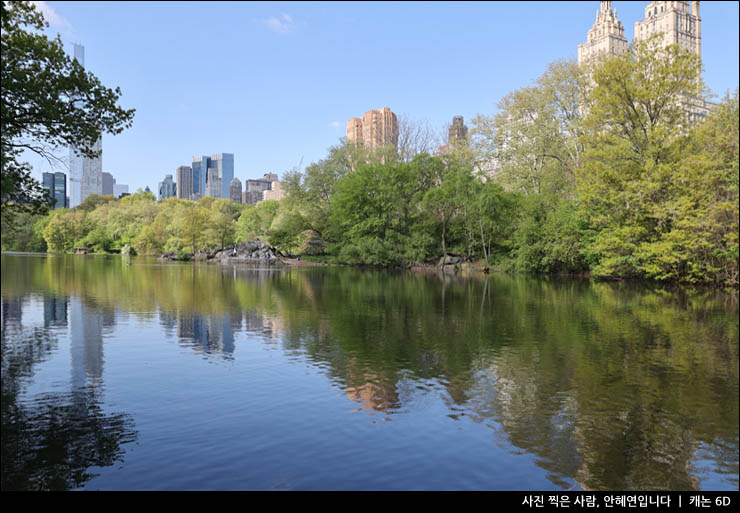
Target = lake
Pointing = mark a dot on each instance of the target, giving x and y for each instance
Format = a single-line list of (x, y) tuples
[(124, 373)]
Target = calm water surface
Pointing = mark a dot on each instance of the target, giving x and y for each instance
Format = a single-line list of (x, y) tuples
[(126, 373)]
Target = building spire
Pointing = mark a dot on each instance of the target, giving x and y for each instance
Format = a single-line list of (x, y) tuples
[(606, 35)]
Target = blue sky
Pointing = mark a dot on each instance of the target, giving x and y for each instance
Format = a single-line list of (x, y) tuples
[(275, 82)]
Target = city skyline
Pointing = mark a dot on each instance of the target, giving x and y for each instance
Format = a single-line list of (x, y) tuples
[(289, 81)]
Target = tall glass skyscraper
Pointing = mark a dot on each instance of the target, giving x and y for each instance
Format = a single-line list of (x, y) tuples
[(200, 168), (221, 166), (56, 184), (85, 174)]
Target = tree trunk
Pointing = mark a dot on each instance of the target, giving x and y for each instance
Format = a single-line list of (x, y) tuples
[(444, 242), (483, 243)]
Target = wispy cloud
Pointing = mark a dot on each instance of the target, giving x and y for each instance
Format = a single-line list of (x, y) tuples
[(283, 24), (335, 124), (55, 19)]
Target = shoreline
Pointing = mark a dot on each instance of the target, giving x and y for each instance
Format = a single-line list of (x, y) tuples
[(466, 269)]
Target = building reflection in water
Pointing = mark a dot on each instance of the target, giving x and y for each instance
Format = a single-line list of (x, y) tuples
[(206, 334), (374, 396), (12, 311), (215, 334), (87, 342), (55, 311), (50, 441)]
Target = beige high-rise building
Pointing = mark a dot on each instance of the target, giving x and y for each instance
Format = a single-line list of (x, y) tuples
[(275, 192), (377, 128), (606, 35), (679, 22)]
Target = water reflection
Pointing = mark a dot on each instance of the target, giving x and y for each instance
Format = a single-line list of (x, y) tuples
[(55, 311), (51, 440), (214, 335), (210, 335), (609, 386), (86, 326)]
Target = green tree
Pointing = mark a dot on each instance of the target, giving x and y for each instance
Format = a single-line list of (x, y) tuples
[(445, 200), (48, 101), (267, 211), (638, 139), (221, 227), (193, 226), (65, 230), (552, 236), (702, 243), (312, 190), (374, 213), (534, 139), (491, 213), (248, 225), (286, 229), (93, 201), (26, 233)]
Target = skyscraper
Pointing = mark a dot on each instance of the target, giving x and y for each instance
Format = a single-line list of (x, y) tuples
[(678, 22), (108, 183), (167, 188), (222, 164), (377, 128), (56, 184), (200, 167), (184, 182), (213, 183), (606, 35), (458, 132), (235, 190), (85, 174)]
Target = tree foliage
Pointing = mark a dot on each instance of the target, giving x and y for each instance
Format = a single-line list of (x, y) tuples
[(532, 144), (48, 102), (656, 187)]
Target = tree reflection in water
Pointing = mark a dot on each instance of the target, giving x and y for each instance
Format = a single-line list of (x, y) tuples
[(51, 442), (609, 385)]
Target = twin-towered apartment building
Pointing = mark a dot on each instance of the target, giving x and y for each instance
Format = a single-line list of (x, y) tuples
[(676, 22)]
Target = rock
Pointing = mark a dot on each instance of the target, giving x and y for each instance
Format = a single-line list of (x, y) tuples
[(253, 251), (450, 260), (250, 252), (173, 256)]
